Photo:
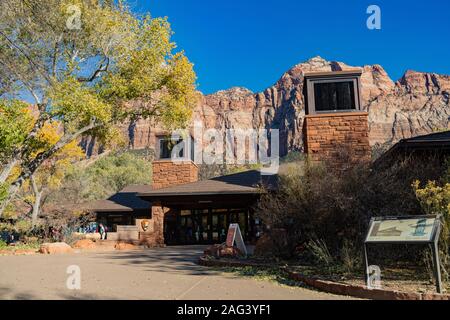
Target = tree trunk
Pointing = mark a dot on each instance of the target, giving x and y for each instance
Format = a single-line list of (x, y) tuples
[(37, 201), (12, 191), (36, 208), (7, 170)]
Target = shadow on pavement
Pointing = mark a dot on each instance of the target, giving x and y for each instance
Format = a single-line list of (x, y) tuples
[(169, 259)]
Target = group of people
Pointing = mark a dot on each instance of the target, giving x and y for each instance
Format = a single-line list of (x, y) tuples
[(93, 228)]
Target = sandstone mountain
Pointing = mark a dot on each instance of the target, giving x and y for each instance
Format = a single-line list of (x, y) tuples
[(416, 104)]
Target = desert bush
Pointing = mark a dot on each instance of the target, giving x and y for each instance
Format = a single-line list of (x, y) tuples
[(434, 198), (21, 228), (60, 224), (315, 201), (351, 257), (319, 250)]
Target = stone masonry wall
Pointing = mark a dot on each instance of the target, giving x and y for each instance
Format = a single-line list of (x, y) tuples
[(340, 139), (168, 174)]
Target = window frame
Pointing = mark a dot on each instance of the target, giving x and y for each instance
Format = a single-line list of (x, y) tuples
[(311, 99), (187, 151)]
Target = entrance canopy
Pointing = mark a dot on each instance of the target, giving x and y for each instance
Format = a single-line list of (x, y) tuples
[(125, 201), (122, 208)]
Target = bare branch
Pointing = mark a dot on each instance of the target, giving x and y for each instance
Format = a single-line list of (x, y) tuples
[(55, 55), (102, 68)]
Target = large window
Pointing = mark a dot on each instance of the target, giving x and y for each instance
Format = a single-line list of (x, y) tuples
[(333, 94), (166, 146)]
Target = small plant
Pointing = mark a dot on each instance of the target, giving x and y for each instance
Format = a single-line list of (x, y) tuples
[(428, 262), (350, 258), (320, 252)]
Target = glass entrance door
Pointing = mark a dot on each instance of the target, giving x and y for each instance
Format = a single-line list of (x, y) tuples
[(207, 226)]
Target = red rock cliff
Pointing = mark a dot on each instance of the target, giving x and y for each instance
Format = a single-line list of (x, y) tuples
[(416, 104)]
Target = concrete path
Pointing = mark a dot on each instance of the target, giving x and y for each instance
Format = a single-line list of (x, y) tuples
[(165, 273)]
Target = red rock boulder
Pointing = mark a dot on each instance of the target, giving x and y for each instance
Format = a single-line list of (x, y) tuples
[(55, 248), (84, 244)]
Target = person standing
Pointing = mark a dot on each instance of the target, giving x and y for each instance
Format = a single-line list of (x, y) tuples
[(102, 231)]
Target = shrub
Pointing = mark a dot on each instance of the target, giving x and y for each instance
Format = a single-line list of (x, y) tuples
[(319, 250), (315, 201), (60, 224), (434, 198), (21, 228)]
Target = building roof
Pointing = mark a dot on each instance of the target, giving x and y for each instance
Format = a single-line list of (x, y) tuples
[(438, 138), (439, 141), (341, 73), (248, 182), (126, 200), (431, 141)]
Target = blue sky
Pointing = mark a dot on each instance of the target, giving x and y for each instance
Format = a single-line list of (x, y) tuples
[(251, 43)]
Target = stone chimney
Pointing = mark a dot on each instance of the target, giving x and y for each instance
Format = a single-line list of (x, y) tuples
[(335, 130)]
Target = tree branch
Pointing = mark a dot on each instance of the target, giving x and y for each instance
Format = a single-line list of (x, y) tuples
[(31, 61), (30, 168), (102, 68), (67, 138), (24, 82), (55, 55)]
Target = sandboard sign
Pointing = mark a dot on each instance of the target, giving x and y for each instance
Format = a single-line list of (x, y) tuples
[(235, 236), (406, 230)]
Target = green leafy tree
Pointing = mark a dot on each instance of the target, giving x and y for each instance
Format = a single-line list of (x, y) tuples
[(50, 175), (103, 178), (87, 64), (15, 122)]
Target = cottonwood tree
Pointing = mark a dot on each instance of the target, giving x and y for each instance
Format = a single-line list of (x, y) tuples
[(87, 64), (51, 173)]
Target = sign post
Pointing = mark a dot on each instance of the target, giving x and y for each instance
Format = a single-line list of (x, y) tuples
[(406, 230), (235, 236)]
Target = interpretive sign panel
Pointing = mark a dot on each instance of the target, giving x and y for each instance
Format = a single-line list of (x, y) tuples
[(405, 230), (402, 229)]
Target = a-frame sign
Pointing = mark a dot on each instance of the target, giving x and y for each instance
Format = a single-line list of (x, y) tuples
[(235, 236)]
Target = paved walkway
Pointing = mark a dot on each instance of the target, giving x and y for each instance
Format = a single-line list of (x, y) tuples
[(164, 273)]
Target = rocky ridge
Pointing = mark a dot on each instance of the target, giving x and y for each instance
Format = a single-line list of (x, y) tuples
[(416, 104)]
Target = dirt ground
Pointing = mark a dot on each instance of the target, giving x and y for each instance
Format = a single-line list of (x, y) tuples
[(406, 279), (163, 273)]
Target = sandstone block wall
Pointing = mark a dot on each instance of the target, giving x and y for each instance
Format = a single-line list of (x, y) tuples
[(340, 139), (157, 237), (168, 174)]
